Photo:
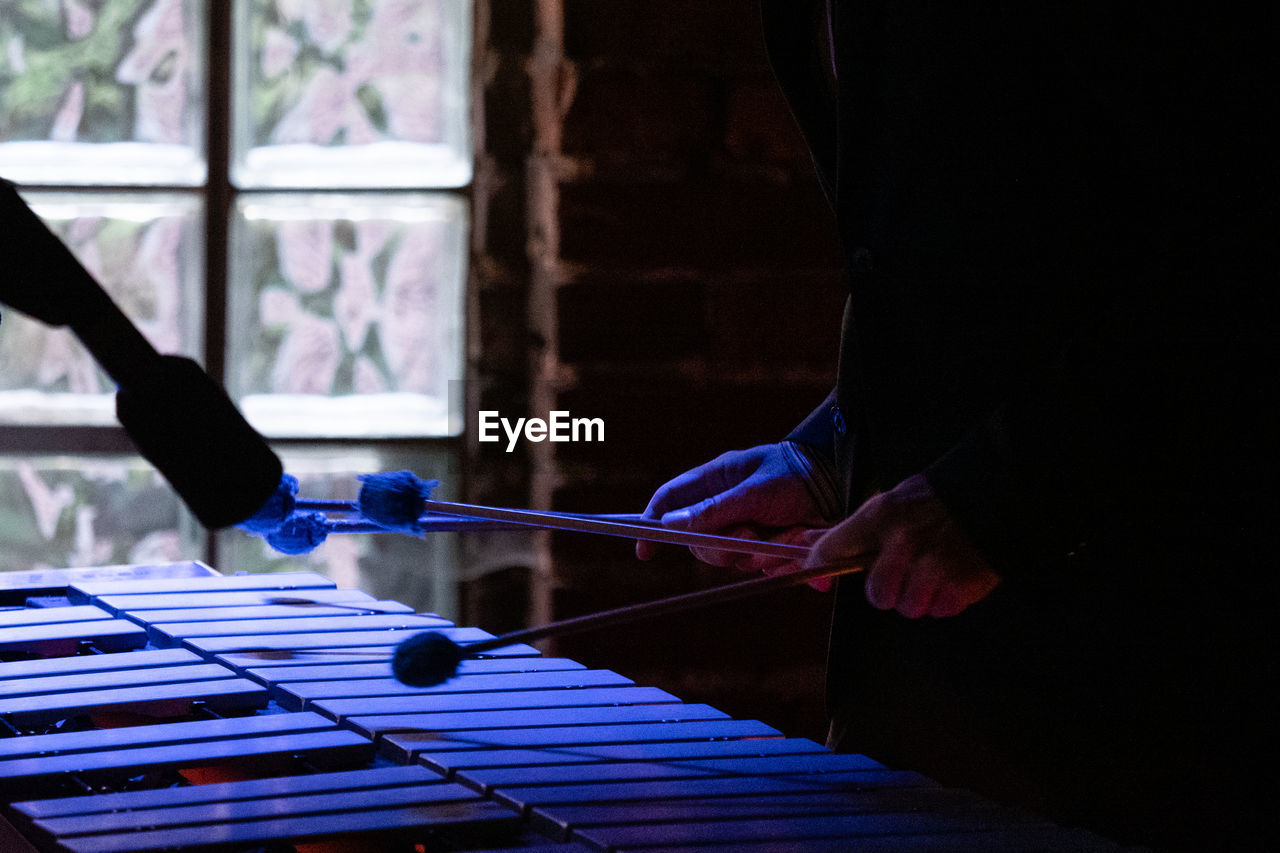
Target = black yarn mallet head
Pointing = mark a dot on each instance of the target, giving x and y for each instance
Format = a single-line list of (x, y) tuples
[(426, 659), (430, 658)]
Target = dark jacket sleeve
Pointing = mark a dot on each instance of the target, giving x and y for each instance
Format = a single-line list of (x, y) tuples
[(814, 439), (1155, 422)]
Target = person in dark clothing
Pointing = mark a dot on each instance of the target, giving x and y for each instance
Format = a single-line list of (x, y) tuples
[(1052, 419)]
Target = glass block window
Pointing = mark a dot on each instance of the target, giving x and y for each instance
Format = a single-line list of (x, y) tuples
[(352, 94), (61, 510), (145, 248), (346, 315), (275, 188), (102, 92)]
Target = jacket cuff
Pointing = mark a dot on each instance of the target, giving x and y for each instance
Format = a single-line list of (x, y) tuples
[(974, 482), (817, 431), (811, 452), (820, 475)]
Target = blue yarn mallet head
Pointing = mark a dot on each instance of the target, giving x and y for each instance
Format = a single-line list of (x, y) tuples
[(276, 510), (394, 500), (301, 533)]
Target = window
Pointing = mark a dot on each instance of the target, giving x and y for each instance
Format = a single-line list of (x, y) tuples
[(276, 188)]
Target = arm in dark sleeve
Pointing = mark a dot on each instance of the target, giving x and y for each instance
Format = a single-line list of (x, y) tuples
[(1152, 410), (811, 448), (1150, 420)]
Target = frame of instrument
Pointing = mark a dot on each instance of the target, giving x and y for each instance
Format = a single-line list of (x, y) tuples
[(156, 708)]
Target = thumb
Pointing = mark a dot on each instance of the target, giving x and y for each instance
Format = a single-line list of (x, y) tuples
[(726, 509), (856, 536)]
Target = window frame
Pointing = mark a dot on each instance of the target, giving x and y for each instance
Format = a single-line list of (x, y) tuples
[(219, 195)]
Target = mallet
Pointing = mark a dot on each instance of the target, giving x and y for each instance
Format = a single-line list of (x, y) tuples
[(430, 658)]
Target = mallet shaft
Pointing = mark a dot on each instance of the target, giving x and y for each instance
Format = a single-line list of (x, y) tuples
[(647, 532), (674, 604)]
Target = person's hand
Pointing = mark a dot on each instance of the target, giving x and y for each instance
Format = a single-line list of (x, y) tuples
[(761, 493), (925, 565)]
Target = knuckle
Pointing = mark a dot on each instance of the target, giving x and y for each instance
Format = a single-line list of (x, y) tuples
[(707, 509), (720, 559)]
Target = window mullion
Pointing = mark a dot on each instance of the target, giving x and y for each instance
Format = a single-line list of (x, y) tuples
[(218, 200), (218, 190)]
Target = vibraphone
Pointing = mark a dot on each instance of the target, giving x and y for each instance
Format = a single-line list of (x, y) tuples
[(193, 711)]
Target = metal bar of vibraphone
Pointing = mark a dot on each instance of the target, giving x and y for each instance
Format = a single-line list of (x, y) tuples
[(294, 807), (138, 602), (81, 593), (140, 680), (377, 706), (586, 758), (373, 700)]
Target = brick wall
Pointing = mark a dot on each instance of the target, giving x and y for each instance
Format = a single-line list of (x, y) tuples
[(651, 249)]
